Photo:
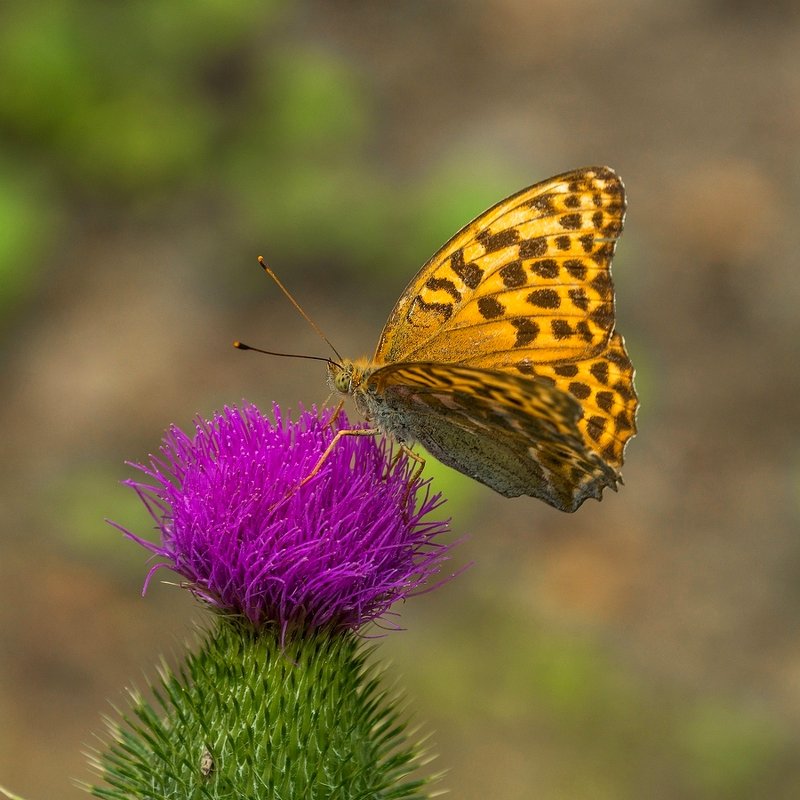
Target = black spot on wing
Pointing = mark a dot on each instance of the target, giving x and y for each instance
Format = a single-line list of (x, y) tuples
[(600, 371), (545, 268), (595, 426), (513, 275), (470, 273), (605, 400), (444, 310), (561, 329), (544, 298), (497, 241), (527, 331), (490, 308), (580, 390), (579, 299), (434, 284), (533, 248), (576, 268), (570, 221), (566, 370), (563, 242)]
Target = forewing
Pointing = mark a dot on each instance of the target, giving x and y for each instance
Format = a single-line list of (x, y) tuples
[(514, 434), (528, 281)]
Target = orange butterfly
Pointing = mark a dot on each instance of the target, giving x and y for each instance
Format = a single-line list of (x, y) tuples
[(501, 358)]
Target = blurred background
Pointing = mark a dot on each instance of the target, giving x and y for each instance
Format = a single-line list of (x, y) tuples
[(648, 646)]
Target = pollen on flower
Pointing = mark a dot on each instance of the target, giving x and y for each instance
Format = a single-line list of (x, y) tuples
[(249, 537)]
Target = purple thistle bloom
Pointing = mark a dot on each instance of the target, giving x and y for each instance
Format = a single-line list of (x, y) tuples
[(248, 539)]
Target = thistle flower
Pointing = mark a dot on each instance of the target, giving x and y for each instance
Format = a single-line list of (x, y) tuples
[(251, 538)]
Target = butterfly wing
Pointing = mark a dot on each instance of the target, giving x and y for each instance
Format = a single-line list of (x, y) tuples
[(527, 282), (603, 384), (526, 288), (514, 434)]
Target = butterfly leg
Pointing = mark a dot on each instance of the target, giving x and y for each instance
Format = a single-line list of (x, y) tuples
[(333, 417), (324, 457), (416, 472), (404, 449), (329, 449), (419, 460)]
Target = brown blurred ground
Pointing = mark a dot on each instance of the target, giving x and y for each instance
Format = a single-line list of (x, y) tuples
[(647, 646)]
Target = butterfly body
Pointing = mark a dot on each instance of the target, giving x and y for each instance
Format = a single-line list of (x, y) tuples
[(501, 357)]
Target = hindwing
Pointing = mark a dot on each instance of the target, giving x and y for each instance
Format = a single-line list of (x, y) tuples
[(517, 435)]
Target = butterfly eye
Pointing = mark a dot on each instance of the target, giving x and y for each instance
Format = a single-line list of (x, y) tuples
[(342, 382)]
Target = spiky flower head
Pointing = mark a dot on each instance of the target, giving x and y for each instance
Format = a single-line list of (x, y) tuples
[(250, 537)]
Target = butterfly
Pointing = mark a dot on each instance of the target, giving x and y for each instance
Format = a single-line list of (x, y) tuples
[(501, 356)]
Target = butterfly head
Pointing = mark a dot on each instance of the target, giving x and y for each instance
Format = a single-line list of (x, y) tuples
[(346, 377)]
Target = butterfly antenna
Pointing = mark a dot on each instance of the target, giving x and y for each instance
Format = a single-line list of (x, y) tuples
[(242, 346), (299, 309)]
